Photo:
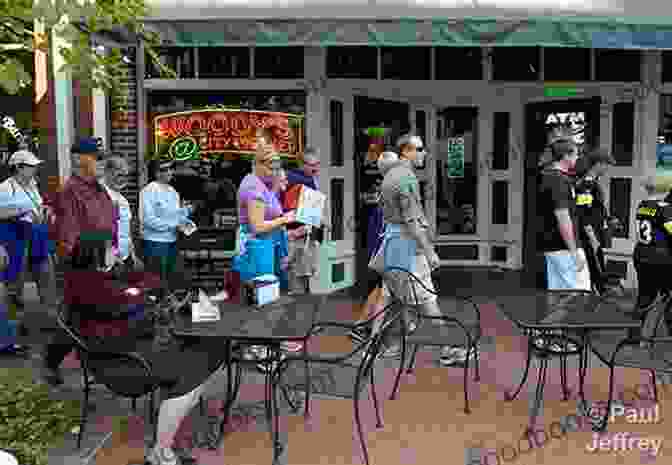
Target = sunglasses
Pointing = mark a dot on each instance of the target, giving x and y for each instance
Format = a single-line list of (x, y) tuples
[(271, 162)]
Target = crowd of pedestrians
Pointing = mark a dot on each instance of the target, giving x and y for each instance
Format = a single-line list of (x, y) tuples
[(86, 227)]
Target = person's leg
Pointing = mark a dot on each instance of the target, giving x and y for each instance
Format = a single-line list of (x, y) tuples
[(8, 326), (171, 414), (594, 268), (648, 289), (44, 277)]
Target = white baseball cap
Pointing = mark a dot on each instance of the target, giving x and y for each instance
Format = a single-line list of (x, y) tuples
[(24, 157)]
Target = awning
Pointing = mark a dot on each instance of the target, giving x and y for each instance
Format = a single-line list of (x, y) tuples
[(641, 24), (466, 32)]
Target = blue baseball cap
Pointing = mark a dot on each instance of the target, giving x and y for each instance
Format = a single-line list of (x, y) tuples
[(88, 146)]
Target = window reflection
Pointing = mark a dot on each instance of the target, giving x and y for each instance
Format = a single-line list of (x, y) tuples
[(457, 172)]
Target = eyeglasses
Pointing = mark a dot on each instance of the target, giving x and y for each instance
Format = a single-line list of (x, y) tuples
[(270, 162)]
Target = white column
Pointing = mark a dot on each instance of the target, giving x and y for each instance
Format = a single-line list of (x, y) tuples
[(64, 107), (649, 111), (317, 110), (100, 117)]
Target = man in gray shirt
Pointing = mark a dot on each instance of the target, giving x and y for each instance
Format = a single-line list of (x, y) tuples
[(407, 228)]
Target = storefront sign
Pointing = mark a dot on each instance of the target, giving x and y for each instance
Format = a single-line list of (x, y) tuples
[(455, 157), (192, 134)]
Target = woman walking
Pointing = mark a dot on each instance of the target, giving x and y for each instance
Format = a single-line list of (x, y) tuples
[(24, 231)]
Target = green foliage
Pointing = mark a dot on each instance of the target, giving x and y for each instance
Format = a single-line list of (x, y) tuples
[(77, 23), (31, 422)]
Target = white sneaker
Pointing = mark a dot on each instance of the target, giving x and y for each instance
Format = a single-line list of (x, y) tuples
[(163, 456)]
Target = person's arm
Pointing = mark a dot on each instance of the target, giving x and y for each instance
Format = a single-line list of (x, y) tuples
[(68, 225), (562, 202), (255, 211), (409, 213), (7, 213), (150, 219)]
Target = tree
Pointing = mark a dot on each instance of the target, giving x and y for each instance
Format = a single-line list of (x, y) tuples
[(80, 23)]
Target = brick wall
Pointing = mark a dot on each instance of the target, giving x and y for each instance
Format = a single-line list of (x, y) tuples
[(124, 140)]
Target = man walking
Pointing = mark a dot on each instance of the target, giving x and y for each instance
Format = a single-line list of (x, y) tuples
[(564, 257)]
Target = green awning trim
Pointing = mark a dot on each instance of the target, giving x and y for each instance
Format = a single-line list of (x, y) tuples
[(588, 32)]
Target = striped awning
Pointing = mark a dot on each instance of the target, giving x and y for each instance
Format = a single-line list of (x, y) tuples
[(464, 32), (643, 24)]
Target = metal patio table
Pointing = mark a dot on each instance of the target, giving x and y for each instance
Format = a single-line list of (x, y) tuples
[(544, 314), (285, 320)]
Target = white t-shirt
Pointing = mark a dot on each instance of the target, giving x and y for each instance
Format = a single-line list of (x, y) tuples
[(14, 195)]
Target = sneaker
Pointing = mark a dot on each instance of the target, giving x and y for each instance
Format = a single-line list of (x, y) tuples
[(391, 352), (457, 355), (15, 349), (52, 376), (292, 347), (163, 456)]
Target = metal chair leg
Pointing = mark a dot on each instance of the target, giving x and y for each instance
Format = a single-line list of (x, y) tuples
[(85, 412), (477, 374), (507, 395), (358, 418), (467, 410), (655, 385), (602, 426), (372, 386), (411, 365)]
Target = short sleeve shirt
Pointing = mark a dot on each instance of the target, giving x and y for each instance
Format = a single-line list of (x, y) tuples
[(14, 195), (654, 232), (556, 192)]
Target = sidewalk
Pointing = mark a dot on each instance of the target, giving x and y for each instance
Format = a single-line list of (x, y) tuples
[(429, 404)]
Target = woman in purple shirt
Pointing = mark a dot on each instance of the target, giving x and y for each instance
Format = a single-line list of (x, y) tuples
[(259, 210)]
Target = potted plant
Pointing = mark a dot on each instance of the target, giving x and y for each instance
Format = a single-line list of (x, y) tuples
[(31, 420)]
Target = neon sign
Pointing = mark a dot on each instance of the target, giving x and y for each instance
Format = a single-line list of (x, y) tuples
[(193, 134)]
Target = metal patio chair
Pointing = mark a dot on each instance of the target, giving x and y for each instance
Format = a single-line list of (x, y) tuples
[(126, 374), (360, 361), (652, 353), (428, 334)]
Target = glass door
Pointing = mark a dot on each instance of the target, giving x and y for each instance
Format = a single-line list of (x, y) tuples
[(458, 192)]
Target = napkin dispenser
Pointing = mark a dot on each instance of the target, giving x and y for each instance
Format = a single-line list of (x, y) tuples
[(262, 290)]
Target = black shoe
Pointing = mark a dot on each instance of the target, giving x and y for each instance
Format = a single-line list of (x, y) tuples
[(15, 349), (52, 376), (360, 334)]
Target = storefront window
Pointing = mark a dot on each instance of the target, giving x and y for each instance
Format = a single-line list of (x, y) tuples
[(214, 143), (457, 171)]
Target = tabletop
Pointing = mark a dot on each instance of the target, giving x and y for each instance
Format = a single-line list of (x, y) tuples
[(567, 310), (289, 318)]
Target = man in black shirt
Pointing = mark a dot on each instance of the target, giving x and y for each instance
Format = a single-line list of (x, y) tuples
[(558, 240), (592, 214), (653, 254)]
